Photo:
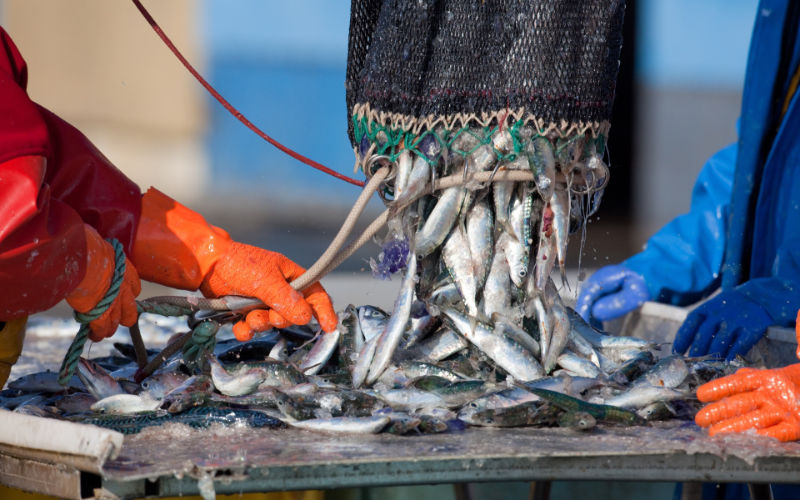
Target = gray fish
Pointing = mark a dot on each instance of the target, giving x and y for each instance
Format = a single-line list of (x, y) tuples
[(97, 381), (546, 251), (560, 203), (579, 366), (460, 265), (599, 339), (559, 336), (417, 181), (545, 322), (364, 361), (125, 404), (438, 224), (346, 425), (669, 372), (280, 351), (543, 165), (442, 344), (479, 229), (497, 289), (390, 338), (402, 173), (243, 381), (371, 321), (322, 351), (517, 259), (642, 395), (46, 381), (507, 353)]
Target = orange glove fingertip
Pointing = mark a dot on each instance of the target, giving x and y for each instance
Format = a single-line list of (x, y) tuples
[(242, 332)]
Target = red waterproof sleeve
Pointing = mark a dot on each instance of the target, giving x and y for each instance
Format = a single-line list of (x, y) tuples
[(52, 181)]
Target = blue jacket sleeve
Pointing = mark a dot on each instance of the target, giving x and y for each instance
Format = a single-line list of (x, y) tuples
[(681, 262)]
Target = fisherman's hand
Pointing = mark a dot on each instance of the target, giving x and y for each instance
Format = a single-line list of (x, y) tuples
[(765, 400), (611, 292), (255, 272), (726, 325), (99, 273)]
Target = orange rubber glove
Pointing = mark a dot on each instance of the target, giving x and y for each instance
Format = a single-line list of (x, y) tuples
[(765, 400), (175, 246), (94, 285)]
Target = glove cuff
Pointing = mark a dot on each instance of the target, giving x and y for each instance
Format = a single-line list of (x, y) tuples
[(174, 245), (99, 271)]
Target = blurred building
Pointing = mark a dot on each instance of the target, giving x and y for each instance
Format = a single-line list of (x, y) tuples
[(101, 67)]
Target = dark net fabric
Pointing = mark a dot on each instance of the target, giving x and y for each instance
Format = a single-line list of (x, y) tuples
[(557, 59)]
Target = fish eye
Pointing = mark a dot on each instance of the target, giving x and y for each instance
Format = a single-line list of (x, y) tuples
[(523, 273)]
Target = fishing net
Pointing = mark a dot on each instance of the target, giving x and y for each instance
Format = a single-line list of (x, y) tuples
[(414, 66), (443, 88)]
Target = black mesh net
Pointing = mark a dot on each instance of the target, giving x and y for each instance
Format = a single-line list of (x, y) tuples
[(466, 62)]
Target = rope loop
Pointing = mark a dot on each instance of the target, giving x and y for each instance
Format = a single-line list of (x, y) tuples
[(75, 350)]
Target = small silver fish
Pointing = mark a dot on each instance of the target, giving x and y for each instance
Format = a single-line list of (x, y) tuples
[(322, 351), (346, 425), (390, 338), (507, 353), (459, 263), (125, 404), (438, 224)]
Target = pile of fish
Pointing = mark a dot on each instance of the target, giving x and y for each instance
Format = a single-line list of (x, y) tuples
[(479, 334), (450, 372), (483, 253)]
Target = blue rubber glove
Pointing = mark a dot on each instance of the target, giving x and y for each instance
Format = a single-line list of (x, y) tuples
[(728, 324), (610, 293)]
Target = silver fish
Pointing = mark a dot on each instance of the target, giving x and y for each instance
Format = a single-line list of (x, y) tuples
[(371, 321), (546, 251), (347, 425), (543, 165), (560, 203), (402, 173), (390, 338), (479, 227), (457, 258), (442, 344), (545, 322), (125, 404), (417, 181), (517, 259), (365, 357), (98, 382), (643, 395), (322, 351), (243, 381), (669, 372), (497, 289), (280, 351), (599, 339), (579, 366), (559, 336), (507, 353), (438, 224)]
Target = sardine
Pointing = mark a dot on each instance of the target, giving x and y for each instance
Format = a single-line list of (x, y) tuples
[(642, 395), (417, 181), (438, 224), (390, 338), (322, 351), (497, 289), (560, 203), (507, 353), (543, 165), (479, 229), (347, 425), (97, 381), (125, 404), (442, 344), (559, 336), (456, 256), (402, 174)]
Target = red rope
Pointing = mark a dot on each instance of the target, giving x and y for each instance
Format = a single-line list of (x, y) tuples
[(235, 112)]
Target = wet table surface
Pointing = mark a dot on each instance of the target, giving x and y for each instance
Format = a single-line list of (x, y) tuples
[(175, 460)]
